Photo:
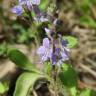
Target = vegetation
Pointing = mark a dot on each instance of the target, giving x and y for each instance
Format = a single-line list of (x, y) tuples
[(59, 37)]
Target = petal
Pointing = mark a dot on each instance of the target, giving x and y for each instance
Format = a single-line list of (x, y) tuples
[(53, 59), (60, 63), (64, 56), (41, 50), (57, 51), (42, 19), (29, 5), (37, 11), (46, 42), (49, 52), (67, 49), (47, 55), (35, 2), (44, 58), (22, 2), (17, 10), (47, 30), (64, 42)]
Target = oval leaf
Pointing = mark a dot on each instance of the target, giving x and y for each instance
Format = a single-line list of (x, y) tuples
[(68, 78), (72, 41), (25, 82), (21, 60)]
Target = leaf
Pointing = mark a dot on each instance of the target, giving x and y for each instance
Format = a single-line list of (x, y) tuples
[(44, 4), (88, 92), (72, 41), (68, 78), (3, 49), (88, 21), (23, 37), (21, 60), (47, 68), (2, 88), (25, 82)]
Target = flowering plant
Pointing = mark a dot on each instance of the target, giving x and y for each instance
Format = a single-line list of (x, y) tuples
[(54, 52)]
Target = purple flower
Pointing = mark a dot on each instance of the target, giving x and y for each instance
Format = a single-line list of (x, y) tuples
[(39, 16), (27, 3), (60, 62), (35, 2), (49, 32), (46, 42), (22, 2), (65, 54), (56, 56), (37, 11), (64, 42), (59, 57), (45, 51), (17, 10), (57, 53), (53, 59)]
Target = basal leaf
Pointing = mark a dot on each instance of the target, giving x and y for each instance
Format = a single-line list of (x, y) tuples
[(25, 82), (71, 40), (21, 60), (68, 78)]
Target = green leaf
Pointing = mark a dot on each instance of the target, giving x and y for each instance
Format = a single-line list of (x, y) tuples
[(21, 60), (88, 92), (2, 88), (68, 78), (25, 82), (44, 4), (3, 49), (47, 68), (88, 21), (72, 41)]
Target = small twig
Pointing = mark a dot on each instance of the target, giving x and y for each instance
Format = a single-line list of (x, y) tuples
[(91, 62), (88, 70), (34, 93)]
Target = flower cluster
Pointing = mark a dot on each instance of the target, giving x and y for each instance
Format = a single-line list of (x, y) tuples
[(54, 49), (18, 9), (28, 6)]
